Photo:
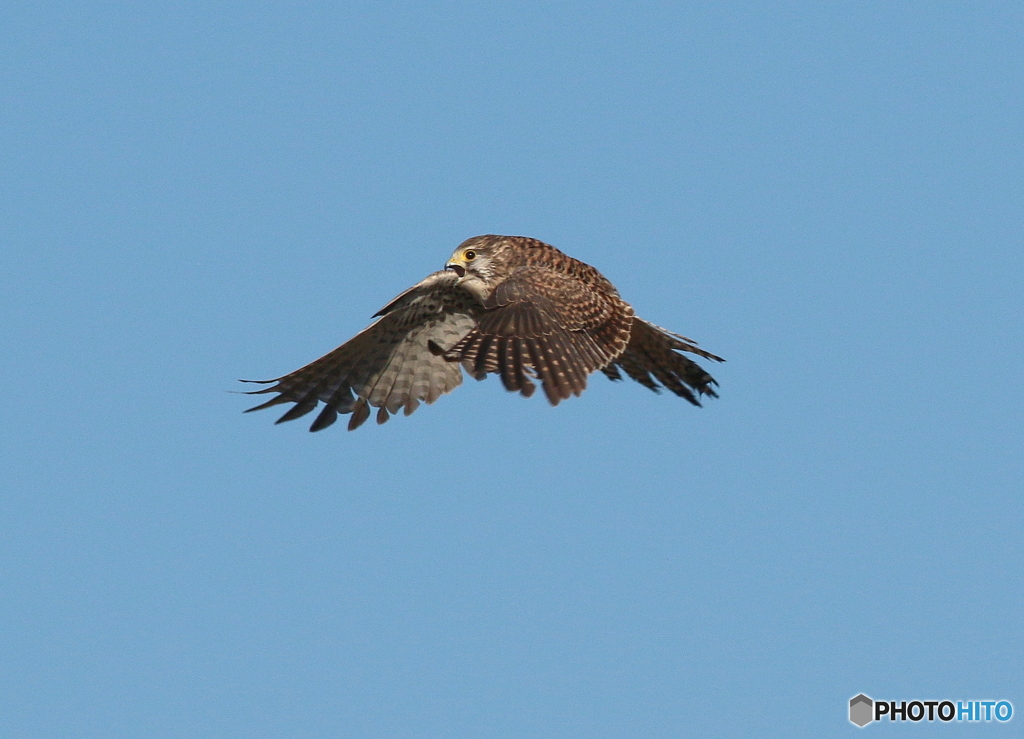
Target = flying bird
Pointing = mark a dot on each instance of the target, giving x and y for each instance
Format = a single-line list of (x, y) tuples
[(505, 305)]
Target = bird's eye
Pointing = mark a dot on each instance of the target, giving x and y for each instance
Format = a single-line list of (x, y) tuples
[(469, 255)]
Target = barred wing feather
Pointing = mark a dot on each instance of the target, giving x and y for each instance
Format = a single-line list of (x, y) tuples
[(652, 358), (390, 365)]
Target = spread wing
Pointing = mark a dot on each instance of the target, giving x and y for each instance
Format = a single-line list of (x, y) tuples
[(389, 365), (652, 358), (546, 324)]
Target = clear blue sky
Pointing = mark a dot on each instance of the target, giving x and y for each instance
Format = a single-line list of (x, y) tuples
[(830, 195)]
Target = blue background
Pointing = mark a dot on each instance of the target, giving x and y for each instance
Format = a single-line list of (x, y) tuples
[(827, 194)]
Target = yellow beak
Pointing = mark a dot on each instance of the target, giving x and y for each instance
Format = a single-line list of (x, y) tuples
[(457, 264)]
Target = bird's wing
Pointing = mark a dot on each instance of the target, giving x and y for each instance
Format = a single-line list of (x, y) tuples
[(392, 364), (652, 358), (545, 324)]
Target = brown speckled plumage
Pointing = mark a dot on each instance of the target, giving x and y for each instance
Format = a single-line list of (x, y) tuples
[(506, 305)]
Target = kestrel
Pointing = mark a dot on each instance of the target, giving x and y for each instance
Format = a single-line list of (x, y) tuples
[(505, 305)]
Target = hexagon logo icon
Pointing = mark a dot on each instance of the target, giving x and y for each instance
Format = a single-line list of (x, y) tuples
[(861, 710)]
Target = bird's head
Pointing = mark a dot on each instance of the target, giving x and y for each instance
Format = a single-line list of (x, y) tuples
[(474, 261)]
